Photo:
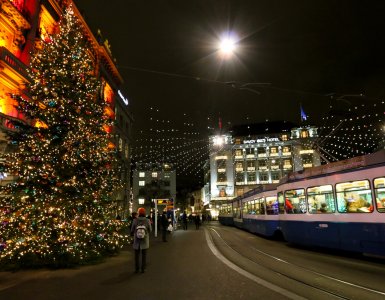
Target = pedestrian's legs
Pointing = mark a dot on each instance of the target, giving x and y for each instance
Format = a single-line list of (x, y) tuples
[(144, 254), (137, 254)]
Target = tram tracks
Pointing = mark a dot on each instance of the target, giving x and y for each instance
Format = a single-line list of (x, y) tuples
[(295, 278)]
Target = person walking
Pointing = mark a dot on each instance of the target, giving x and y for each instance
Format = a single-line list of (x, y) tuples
[(164, 225), (184, 220), (141, 229)]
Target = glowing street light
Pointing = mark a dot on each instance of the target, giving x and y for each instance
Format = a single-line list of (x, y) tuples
[(227, 46)]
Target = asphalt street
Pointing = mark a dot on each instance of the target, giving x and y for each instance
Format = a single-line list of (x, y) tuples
[(185, 267)]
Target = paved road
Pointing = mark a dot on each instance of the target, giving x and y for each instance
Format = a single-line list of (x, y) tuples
[(183, 268)]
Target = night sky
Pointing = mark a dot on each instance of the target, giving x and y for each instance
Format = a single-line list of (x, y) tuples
[(307, 52)]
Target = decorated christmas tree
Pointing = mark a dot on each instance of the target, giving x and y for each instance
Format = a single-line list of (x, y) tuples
[(59, 210)]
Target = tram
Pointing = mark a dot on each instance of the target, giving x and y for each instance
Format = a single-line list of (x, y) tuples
[(340, 205)]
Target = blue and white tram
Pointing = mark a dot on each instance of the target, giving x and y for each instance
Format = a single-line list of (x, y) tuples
[(255, 211), (339, 206), (260, 212)]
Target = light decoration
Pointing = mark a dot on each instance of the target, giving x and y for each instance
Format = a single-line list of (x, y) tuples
[(60, 211), (167, 141), (354, 130)]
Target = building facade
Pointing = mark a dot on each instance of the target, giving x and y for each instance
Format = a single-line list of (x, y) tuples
[(23, 26), (157, 181), (245, 159)]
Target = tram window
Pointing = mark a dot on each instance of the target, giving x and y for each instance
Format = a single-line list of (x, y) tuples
[(245, 207), (295, 201), (281, 203), (379, 191), (254, 209), (320, 199), (272, 205), (260, 206), (354, 197)]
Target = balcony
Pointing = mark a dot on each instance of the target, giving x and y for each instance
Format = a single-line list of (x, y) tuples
[(7, 59)]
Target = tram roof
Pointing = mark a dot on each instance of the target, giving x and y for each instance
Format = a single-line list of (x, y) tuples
[(357, 162)]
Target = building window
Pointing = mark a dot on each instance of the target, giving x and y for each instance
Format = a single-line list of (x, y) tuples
[(141, 201), (142, 183), (286, 149), (239, 178), (239, 167), (250, 151), (284, 137), (275, 177), (154, 174), (274, 151), (142, 174), (222, 177), (250, 165), (261, 152), (262, 165), (238, 153), (263, 177), (287, 164), (304, 134), (251, 178), (221, 165)]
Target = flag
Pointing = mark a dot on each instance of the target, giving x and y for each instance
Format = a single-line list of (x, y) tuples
[(303, 114)]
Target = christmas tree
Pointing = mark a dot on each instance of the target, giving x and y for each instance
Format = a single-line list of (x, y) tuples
[(59, 210)]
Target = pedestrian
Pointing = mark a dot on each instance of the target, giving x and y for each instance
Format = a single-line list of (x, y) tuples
[(141, 229), (164, 225), (184, 220), (197, 221)]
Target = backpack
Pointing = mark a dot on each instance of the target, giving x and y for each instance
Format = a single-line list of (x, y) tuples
[(140, 231)]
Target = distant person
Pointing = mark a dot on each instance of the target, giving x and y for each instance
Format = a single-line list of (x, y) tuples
[(141, 229), (184, 221), (164, 224), (197, 221)]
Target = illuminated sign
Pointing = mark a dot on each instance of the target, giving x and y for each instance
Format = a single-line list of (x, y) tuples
[(125, 100), (266, 139)]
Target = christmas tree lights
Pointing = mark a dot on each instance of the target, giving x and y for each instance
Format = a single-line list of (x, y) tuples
[(60, 211)]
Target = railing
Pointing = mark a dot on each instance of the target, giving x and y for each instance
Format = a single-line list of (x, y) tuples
[(13, 62)]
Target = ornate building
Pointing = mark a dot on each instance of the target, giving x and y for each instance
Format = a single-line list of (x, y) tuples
[(256, 154), (24, 24)]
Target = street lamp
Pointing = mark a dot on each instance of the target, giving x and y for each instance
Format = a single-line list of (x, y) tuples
[(227, 46)]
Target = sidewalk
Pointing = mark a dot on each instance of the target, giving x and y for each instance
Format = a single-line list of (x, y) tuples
[(182, 268)]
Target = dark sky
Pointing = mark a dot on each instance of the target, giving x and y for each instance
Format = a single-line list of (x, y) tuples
[(309, 52), (305, 50)]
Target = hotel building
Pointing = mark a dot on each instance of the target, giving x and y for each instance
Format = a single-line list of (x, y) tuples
[(255, 154)]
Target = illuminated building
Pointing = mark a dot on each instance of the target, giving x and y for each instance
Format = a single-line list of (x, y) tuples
[(256, 154), (23, 26), (157, 181)]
